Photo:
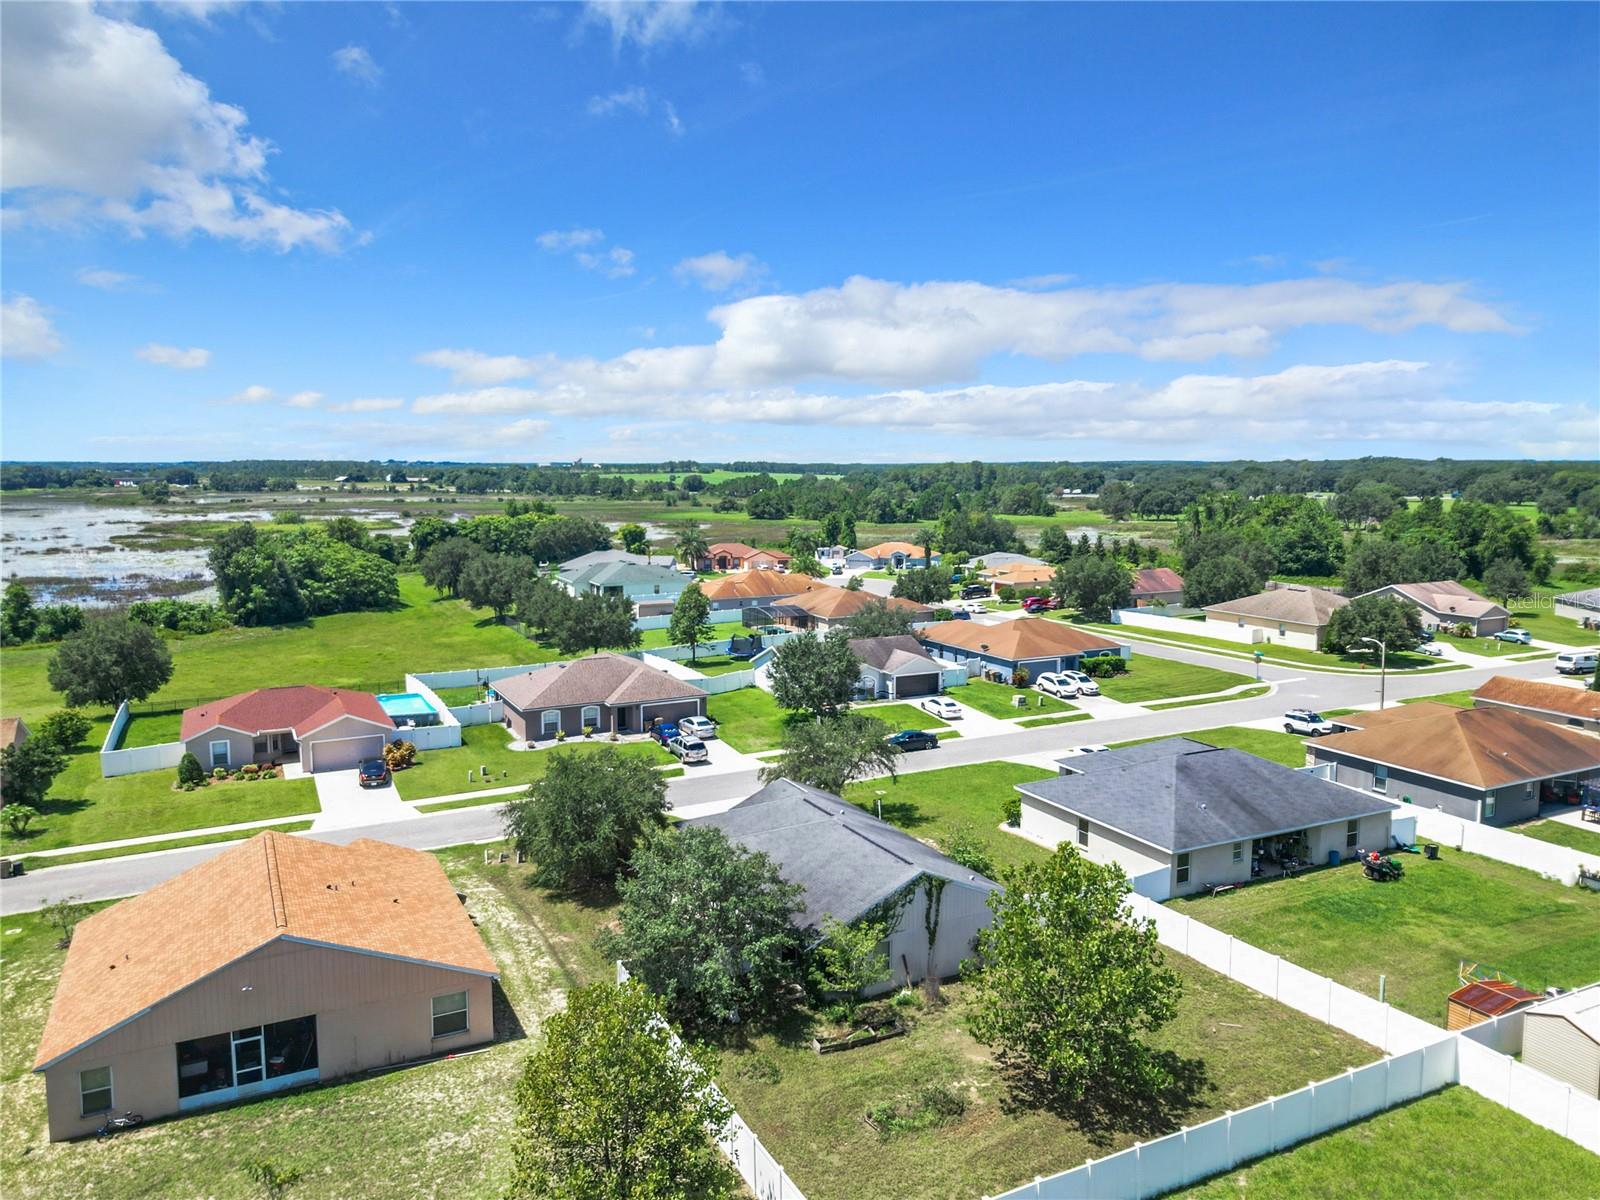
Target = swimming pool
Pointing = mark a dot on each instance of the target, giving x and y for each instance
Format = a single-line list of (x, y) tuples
[(409, 706)]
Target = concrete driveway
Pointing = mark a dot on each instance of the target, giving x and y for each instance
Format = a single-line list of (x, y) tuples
[(345, 803)]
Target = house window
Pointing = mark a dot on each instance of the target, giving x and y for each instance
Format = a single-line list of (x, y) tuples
[(1380, 779), (259, 746), (1488, 805), (591, 715), (1282, 629), (94, 1091), (1183, 868), (549, 722), (449, 1014), (1083, 831), (219, 754), (1352, 830), (1238, 852)]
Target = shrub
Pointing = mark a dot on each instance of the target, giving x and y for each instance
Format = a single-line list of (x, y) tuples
[(189, 771), (1105, 665), (17, 817), (934, 1104), (1462, 630), (269, 773), (249, 770), (219, 772), (561, 735), (399, 754), (588, 731), (1022, 678), (1007, 593), (1011, 808), (188, 787), (963, 846)]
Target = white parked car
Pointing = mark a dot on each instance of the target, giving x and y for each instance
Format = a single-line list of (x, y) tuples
[(1058, 684), (700, 727), (976, 607), (942, 707), (1085, 685), (1303, 720), (1431, 649)]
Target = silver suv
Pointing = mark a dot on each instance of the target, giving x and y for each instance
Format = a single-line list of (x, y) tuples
[(689, 750)]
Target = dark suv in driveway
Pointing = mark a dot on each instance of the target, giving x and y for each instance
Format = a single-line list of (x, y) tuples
[(374, 772)]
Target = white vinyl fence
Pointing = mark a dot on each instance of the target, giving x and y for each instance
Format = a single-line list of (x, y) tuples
[(1142, 618), (1200, 1151), (756, 1166), (717, 616), (443, 736), (470, 675), (1502, 845), (135, 758)]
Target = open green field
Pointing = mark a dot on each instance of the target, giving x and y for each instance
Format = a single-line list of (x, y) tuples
[(438, 1130), (444, 772), (369, 650), (1417, 931), (1440, 1147), (1585, 837), (1287, 749), (749, 720), (1152, 678), (933, 805), (1237, 1048), (996, 699)]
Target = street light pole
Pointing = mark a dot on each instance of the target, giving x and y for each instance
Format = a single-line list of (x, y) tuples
[(1383, 667)]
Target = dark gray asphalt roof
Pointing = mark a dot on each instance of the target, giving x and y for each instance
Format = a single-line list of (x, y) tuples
[(1127, 756), (1196, 796), (891, 653), (846, 859)]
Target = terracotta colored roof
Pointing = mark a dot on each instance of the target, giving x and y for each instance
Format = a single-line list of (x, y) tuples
[(837, 603), (1447, 598), (1491, 997), (885, 549), (777, 556), (1394, 716), (1027, 637), (1292, 602), (1156, 579), (603, 678), (1543, 697), (303, 709), (757, 585), (1019, 573), (369, 897), (1481, 747), (740, 550), (12, 731)]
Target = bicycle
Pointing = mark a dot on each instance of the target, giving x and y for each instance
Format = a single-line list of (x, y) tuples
[(115, 1124)]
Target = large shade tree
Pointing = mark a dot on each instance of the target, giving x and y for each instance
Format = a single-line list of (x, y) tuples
[(832, 752), (109, 660), (815, 674), (1386, 619)]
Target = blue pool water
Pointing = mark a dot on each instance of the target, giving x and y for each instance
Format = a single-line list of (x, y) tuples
[(408, 706)]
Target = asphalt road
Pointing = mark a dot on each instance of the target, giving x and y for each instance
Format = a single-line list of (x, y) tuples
[(111, 878)]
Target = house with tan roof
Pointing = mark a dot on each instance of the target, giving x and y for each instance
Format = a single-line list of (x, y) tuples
[(1156, 585), (1446, 604), (823, 608), (1558, 703), (737, 556), (277, 963), (324, 729), (1037, 643), (1291, 614), (13, 731), (1490, 764), (605, 693), (1016, 575), (755, 589), (898, 556)]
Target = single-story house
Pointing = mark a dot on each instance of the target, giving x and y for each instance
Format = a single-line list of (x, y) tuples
[(598, 558), (1291, 614), (850, 863), (641, 584), (13, 731), (277, 963), (736, 556), (1037, 643), (1561, 1037), (847, 557), (895, 668), (1001, 559), (325, 729), (1180, 816), (1483, 1000), (1446, 604), (1492, 764), (1156, 585), (755, 589), (898, 556), (824, 607), (1019, 575), (1558, 703), (1581, 606), (606, 692)]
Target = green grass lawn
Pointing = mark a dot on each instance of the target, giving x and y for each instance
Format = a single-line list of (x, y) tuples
[(1416, 931), (901, 716), (809, 1109), (1286, 748), (1274, 652), (436, 1130), (932, 805), (1461, 699), (996, 699), (1152, 678), (1440, 1147), (444, 772), (749, 720), (151, 729), (1248, 693), (1488, 647), (371, 650), (36, 864), (717, 664), (1585, 837), (457, 696)]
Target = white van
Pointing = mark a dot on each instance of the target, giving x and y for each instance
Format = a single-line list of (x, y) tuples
[(1575, 662)]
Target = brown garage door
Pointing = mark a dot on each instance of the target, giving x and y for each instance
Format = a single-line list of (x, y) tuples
[(340, 754), (917, 685)]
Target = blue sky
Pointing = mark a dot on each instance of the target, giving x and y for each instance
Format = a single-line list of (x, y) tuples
[(897, 232)]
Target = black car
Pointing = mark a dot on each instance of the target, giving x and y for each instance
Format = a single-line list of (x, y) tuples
[(914, 739), (975, 591), (374, 773)]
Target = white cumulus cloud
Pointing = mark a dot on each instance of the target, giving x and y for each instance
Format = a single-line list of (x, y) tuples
[(634, 99), (26, 330), (172, 356), (651, 23), (303, 400), (719, 270), (356, 62), (254, 394), (105, 280), (473, 368)]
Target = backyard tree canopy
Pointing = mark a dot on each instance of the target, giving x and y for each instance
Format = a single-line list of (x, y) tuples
[(109, 660)]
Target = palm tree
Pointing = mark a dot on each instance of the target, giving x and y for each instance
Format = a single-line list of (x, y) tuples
[(926, 537), (692, 544)]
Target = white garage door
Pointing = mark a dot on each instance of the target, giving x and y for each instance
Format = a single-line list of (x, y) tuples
[(340, 754)]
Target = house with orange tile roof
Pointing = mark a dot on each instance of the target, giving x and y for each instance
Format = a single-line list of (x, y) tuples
[(898, 556), (1558, 703), (737, 556), (324, 729), (825, 607), (755, 589), (278, 963)]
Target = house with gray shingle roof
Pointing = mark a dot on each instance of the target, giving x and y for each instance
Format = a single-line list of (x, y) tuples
[(636, 582), (605, 692), (896, 668), (1180, 816), (850, 863)]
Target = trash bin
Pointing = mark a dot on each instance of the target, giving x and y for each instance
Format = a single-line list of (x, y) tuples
[(1430, 851), (1333, 858)]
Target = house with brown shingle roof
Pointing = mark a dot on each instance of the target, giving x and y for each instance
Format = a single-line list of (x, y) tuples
[(1558, 703), (1037, 643), (737, 556), (1157, 585), (277, 963), (325, 729), (1493, 765), (755, 589), (1291, 614), (1446, 604), (605, 693), (824, 607)]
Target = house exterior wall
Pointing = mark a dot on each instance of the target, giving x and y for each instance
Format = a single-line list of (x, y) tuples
[(370, 1012), (963, 911), (331, 749), (1511, 803), (1282, 633), (1431, 619), (528, 724), (1052, 826), (1562, 1051)]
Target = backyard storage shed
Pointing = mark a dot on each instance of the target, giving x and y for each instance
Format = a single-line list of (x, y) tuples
[(606, 693), (1483, 999), (324, 729), (850, 863), (280, 962), (1561, 1037)]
